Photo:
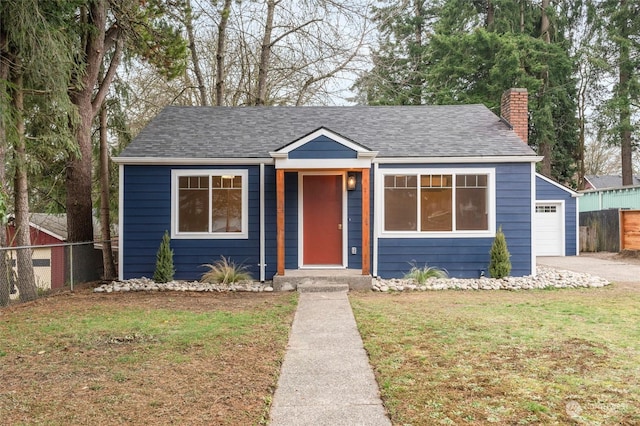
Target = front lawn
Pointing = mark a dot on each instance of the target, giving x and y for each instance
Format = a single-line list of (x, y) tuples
[(142, 358), (482, 357)]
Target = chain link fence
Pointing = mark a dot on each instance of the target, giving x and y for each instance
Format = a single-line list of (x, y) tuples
[(55, 266)]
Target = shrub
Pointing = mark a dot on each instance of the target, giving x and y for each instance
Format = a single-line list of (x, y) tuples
[(164, 261), (499, 263), (225, 271), (422, 274)]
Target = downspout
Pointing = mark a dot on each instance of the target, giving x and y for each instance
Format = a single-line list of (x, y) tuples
[(120, 222), (577, 226), (262, 230), (533, 219), (376, 215)]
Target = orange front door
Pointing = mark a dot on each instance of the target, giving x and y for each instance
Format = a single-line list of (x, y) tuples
[(322, 219)]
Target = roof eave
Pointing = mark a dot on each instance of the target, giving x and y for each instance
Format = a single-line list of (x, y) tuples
[(190, 161), (451, 160)]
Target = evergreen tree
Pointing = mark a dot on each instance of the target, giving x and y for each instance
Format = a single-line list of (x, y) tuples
[(400, 61), (615, 25), (514, 44), (470, 51), (164, 261), (499, 262)]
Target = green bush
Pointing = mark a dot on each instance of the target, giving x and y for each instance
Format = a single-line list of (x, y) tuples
[(225, 271), (422, 274), (164, 261), (500, 262)]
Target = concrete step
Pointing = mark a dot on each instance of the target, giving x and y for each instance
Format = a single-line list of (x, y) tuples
[(312, 280), (315, 286)]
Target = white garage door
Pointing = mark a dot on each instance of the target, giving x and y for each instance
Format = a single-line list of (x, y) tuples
[(549, 229)]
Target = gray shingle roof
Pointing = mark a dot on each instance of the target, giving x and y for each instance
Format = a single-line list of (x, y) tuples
[(608, 181), (394, 131)]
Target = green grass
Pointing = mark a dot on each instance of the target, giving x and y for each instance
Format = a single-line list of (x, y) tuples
[(505, 357), (143, 358)]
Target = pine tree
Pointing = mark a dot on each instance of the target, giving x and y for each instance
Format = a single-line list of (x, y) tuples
[(164, 261), (499, 264)]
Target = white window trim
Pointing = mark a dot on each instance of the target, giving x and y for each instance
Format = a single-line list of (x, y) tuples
[(176, 174), (491, 203)]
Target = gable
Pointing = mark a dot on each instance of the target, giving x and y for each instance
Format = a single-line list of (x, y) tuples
[(323, 148)]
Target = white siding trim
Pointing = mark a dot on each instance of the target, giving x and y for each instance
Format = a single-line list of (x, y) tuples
[(323, 163), (183, 161), (463, 160), (533, 219), (376, 189), (262, 225), (577, 226), (316, 134), (120, 222)]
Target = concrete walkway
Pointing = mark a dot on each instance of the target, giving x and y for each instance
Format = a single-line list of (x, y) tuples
[(326, 378)]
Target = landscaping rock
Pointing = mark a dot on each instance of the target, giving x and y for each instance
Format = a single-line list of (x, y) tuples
[(545, 278)]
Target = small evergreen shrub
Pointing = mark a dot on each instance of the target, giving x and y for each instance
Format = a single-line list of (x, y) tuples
[(500, 262), (164, 261), (420, 275), (225, 271)]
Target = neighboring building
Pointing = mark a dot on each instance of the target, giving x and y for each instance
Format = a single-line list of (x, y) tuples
[(606, 181), (48, 262), (271, 187)]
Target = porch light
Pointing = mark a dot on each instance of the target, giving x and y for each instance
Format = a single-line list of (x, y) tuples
[(351, 181)]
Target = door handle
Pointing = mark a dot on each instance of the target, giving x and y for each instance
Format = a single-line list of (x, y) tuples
[(340, 226)]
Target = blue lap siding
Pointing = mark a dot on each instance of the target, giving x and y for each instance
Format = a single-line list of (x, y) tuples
[(468, 257), (147, 214)]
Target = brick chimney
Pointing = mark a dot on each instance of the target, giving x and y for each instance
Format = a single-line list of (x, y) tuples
[(513, 108)]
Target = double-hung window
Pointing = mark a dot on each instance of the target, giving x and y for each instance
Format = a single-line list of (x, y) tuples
[(458, 202), (209, 203)]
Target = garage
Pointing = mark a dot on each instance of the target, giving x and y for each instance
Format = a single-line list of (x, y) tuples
[(549, 229), (555, 219)]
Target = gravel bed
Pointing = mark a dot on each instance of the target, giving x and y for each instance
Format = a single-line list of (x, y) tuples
[(545, 278)]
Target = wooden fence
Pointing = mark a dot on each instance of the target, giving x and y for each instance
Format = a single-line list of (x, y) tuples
[(610, 230), (600, 231), (630, 233)]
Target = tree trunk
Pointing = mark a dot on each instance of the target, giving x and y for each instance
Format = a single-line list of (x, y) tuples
[(546, 145), (26, 282), (265, 55), (522, 16), (626, 68), (5, 268), (418, 81), (78, 178), (220, 53), (188, 23), (491, 15), (105, 222)]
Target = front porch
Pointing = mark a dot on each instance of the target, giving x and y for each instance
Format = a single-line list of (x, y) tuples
[(315, 280)]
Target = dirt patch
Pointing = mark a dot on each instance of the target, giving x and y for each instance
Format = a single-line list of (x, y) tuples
[(135, 376)]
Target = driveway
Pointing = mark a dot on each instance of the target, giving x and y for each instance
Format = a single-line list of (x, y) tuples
[(609, 267)]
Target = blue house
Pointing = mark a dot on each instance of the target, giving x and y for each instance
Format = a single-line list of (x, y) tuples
[(366, 189)]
